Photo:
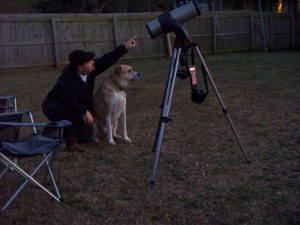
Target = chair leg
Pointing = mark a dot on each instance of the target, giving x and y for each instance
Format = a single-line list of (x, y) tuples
[(28, 177), (6, 167), (52, 177), (50, 161)]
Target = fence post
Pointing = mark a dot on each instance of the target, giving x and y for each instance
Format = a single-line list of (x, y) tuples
[(115, 30), (293, 34), (169, 45), (214, 34), (271, 31), (252, 31), (55, 44)]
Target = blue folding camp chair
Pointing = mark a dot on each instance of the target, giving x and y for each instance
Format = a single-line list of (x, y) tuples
[(14, 146)]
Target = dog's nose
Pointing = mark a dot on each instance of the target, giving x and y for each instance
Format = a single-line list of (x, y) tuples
[(138, 74)]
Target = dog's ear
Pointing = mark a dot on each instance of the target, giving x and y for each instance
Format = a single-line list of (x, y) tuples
[(118, 70)]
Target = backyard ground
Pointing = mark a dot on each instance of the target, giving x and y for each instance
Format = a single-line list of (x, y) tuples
[(202, 175)]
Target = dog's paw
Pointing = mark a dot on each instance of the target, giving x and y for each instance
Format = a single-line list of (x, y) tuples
[(127, 140), (117, 136), (111, 142), (94, 139)]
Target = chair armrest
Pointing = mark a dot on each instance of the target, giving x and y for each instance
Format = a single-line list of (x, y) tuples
[(58, 124), (15, 113), (5, 97)]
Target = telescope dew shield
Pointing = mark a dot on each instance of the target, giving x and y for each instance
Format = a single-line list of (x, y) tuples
[(181, 14)]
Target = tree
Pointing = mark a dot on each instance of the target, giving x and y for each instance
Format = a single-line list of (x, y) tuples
[(101, 6), (16, 6), (64, 6)]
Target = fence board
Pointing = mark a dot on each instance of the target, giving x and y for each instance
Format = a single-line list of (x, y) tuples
[(28, 40)]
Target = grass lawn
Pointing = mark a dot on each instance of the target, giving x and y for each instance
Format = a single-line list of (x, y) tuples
[(202, 176)]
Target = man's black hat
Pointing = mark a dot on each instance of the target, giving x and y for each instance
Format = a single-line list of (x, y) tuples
[(78, 57)]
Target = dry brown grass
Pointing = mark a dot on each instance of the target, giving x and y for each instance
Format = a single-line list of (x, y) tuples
[(202, 175)]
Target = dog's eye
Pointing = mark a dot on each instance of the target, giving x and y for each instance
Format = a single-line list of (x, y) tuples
[(129, 71)]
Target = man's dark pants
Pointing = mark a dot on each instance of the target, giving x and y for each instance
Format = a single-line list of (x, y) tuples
[(79, 131)]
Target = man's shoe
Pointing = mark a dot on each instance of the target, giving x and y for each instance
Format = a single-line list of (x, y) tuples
[(74, 147)]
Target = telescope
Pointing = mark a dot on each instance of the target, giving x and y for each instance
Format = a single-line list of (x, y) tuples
[(173, 21), (180, 15)]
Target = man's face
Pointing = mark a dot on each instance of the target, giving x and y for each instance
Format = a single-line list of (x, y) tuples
[(86, 67)]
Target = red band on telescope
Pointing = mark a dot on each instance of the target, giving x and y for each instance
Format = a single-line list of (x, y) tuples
[(193, 76)]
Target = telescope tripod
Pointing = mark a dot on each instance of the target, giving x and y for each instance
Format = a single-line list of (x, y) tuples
[(180, 48)]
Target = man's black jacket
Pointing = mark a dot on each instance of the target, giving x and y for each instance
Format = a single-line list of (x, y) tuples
[(72, 93)]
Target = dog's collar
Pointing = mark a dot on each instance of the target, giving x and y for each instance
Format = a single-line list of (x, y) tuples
[(119, 86)]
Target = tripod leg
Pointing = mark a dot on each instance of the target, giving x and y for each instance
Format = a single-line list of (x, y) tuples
[(165, 110), (222, 104)]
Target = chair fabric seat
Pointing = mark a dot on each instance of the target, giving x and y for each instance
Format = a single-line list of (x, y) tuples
[(36, 144)]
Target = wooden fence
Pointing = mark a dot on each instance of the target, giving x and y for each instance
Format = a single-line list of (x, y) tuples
[(29, 40)]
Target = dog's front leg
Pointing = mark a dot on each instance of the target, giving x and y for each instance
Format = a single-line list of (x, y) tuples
[(123, 125), (114, 128), (109, 129)]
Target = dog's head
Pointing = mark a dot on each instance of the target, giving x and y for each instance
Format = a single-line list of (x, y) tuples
[(124, 74)]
